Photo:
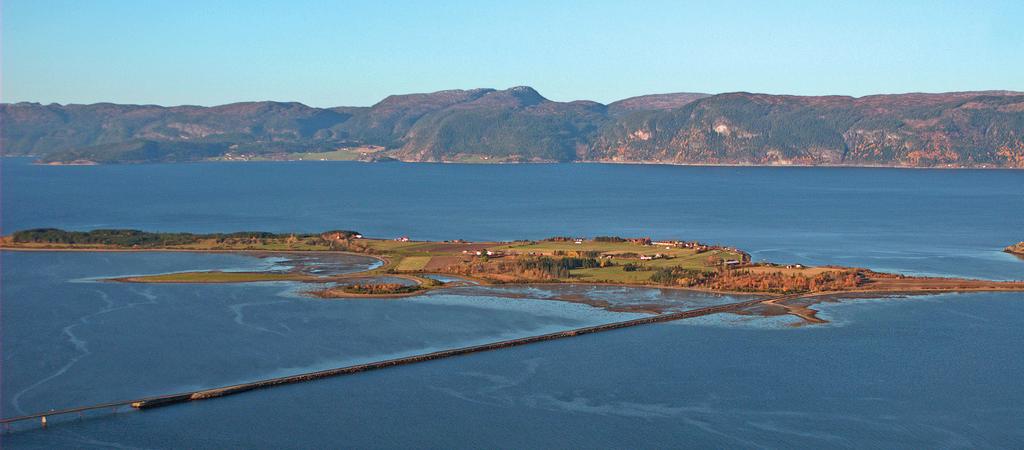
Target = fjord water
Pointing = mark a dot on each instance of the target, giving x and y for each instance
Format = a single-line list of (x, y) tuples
[(72, 339), (939, 371), (940, 222), (882, 381)]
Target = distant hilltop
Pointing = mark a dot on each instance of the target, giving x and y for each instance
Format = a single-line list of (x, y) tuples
[(958, 129)]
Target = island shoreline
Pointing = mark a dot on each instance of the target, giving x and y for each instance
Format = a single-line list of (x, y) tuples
[(876, 283)]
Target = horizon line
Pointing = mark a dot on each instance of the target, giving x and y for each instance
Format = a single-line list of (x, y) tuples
[(196, 105)]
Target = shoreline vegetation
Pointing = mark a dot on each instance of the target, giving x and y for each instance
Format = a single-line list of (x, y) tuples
[(601, 260), (370, 290)]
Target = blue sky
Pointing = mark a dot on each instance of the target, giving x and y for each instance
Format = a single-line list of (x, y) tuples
[(329, 53)]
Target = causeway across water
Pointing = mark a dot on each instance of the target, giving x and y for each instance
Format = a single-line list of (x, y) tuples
[(164, 400)]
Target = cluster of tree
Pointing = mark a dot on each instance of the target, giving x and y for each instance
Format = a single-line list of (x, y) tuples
[(339, 234), (120, 238), (552, 267), (634, 267), (528, 268), (145, 239), (609, 239), (578, 253), (354, 246), (680, 276), (746, 281), (141, 150), (380, 288), (560, 239)]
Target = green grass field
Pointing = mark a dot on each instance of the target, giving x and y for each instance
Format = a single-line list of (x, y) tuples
[(270, 247), (410, 263), (342, 154), (613, 274), (616, 273), (549, 247), (480, 159), (412, 256)]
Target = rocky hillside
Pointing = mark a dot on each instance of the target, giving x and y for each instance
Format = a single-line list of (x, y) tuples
[(653, 102), (963, 129), (920, 130)]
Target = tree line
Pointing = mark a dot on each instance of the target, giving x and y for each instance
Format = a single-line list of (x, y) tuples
[(747, 281), (145, 239)]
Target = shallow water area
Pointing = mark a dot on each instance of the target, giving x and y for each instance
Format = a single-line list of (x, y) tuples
[(938, 371), (321, 263), (906, 374), (69, 343), (612, 298)]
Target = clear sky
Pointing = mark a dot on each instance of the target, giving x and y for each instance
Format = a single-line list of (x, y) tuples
[(330, 53)]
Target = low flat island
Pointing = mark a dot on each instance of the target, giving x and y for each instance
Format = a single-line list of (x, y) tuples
[(409, 267)]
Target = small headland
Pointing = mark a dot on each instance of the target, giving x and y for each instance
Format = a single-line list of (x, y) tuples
[(1016, 249)]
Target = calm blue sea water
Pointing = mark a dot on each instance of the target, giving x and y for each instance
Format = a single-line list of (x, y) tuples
[(915, 221), (65, 331), (933, 372), (939, 372)]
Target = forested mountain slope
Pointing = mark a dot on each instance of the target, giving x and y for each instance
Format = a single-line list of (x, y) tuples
[(961, 129)]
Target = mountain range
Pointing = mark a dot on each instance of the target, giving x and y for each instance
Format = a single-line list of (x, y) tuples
[(958, 129)]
